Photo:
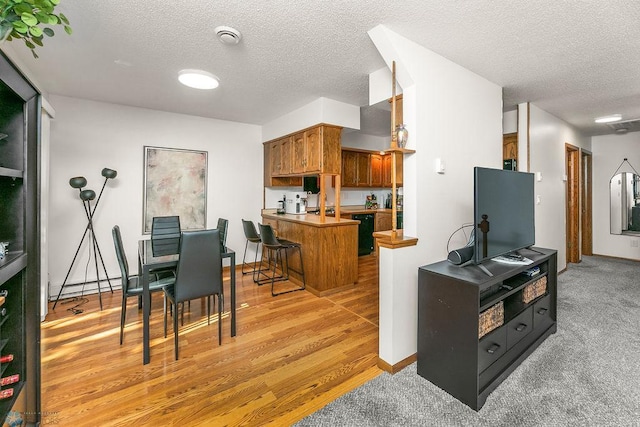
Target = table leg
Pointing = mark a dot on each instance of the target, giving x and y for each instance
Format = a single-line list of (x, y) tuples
[(233, 294), (146, 311)]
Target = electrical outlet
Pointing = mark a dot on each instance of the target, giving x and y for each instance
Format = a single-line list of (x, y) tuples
[(634, 243)]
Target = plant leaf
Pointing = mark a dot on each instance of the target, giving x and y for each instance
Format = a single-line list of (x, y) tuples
[(20, 27), (21, 8), (38, 41), (55, 2), (29, 44), (63, 18), (35, 31), (29, 19), (68, 29), (42, 17), (48, 31)]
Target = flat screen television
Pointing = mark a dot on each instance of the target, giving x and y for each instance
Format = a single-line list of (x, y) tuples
[(503, 212)]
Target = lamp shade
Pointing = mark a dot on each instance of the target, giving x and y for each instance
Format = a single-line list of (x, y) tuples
[(109, 173), (87, 195), (78, 182)]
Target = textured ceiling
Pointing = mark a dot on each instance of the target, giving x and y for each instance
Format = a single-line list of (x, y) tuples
[(576, 60)]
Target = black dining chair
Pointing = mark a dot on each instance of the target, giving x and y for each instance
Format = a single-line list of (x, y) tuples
[(223, 225), (165, 227), (276, 247), (132, 285), (199, 274)]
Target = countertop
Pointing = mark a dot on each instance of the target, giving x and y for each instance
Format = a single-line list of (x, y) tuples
[(310, 219)]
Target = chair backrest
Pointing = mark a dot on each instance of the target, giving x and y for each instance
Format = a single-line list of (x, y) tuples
[(165, 226), (250, 232), (199, 271), (122, 258), (268, 237), (223, 224)]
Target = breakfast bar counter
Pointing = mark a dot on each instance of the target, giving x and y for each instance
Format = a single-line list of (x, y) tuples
[(329, 248)]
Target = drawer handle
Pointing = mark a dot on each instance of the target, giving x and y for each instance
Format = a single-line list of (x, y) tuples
[(542, 310), (521, 327), (493, 348)]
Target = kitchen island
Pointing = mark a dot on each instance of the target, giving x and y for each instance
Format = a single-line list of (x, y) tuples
[(329, 249)]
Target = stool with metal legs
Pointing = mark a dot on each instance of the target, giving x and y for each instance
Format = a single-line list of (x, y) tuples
[(252, 236), (275, 247)]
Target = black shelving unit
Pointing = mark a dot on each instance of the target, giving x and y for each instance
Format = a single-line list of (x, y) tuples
[(451, 352), (19, 226)]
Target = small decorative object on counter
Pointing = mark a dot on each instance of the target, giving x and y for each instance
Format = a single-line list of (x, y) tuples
[(402, 135), (372, 202)]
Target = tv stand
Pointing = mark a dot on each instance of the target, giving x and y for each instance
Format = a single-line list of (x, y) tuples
[(451, 352)]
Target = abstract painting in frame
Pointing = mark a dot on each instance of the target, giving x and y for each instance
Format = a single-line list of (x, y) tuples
[(175, 183)]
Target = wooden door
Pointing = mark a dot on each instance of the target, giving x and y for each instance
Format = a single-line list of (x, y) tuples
[(510, 146), (387, 168), (286, 153), (298, 153), (586, 203), (573, 202), (363, 169), (276, 157), (349, 169), (313, 150), (376, 170)]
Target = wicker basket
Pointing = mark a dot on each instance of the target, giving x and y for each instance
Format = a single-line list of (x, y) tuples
[(490, 319), (534, 290)]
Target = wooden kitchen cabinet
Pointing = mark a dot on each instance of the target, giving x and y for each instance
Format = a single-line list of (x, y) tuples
[(277, 158), (387, 168), (383, 221), (311, 151), (376, 170), (366, 168)]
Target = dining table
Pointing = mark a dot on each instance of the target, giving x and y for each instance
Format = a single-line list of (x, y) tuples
[(163, 253)]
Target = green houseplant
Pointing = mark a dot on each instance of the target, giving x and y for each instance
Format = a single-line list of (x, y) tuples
[(29, 20)]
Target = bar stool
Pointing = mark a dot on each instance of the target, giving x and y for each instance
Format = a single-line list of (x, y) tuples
[(252, 236), (275, 247)]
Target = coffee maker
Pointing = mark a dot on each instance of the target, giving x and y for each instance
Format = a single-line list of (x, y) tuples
[(296, 202)]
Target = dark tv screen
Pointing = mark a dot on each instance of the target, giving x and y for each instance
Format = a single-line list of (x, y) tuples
[(507, 199)]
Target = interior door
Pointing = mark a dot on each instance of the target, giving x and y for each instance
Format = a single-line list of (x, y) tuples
[(573, 202)]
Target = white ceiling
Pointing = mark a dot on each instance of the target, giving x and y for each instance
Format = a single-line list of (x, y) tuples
[(575, 60)]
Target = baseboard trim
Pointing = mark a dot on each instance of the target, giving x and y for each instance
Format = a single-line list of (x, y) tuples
[(394, 369)]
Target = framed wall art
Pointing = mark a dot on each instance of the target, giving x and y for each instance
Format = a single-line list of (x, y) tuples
[(175, 183)]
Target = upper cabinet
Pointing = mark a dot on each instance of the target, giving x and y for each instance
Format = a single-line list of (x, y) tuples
[(365, 168), (311, 151)]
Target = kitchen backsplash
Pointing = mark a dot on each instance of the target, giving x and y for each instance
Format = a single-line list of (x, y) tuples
[(348, 196)]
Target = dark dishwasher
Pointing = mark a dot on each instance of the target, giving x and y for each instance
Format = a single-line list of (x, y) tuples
[(365, 233)]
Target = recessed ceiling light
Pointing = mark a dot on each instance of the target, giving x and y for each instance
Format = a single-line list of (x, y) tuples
[(609, 119), (198, 79)]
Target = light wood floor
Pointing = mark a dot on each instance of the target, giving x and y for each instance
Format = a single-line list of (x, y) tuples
[(292, 355)]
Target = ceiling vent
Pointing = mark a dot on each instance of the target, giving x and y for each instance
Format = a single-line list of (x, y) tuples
[(626, 126), (228, 35)]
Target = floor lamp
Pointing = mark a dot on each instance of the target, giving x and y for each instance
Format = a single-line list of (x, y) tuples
[(87, 196)]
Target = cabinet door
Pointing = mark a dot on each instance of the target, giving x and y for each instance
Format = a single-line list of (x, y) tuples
[(383, 221), (349, 169), (313, 150), (298, 153), (276, 157), (386, 170), (363, 162), (376, 170), (287, 155)]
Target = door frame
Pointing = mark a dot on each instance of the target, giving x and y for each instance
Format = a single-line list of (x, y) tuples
[(586, 201), (572, 199)]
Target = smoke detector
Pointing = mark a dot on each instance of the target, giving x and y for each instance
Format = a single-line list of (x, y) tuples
[(626, 126), (228, 35)]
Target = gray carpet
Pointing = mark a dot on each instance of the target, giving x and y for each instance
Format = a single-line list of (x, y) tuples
[(587, 374)]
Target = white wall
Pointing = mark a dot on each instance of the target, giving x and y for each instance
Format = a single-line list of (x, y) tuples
[(510, 121), (451, 114), (608, 154), (547, 137), (88, 136)]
